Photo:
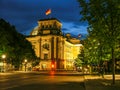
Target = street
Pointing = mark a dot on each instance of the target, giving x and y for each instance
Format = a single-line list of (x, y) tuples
[(42, 81)]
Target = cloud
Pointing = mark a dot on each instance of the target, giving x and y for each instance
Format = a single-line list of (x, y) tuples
[(65, 30), (24, 14), (75, 28)]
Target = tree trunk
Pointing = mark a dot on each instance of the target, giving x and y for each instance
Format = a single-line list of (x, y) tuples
[(113, 66)]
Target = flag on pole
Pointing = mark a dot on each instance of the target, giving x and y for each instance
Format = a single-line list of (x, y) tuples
[(48, 12), (79, 35)]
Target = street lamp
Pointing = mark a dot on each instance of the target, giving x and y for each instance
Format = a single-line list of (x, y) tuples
[(25, 64), (3, 57)]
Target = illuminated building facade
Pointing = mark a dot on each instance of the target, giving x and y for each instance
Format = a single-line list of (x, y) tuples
[(55, 50)]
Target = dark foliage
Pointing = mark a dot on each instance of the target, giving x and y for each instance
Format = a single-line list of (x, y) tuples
[(14, 45)]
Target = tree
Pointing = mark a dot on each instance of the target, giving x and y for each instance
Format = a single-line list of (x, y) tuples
[(79, 61), (14, 45), (36, 62), (103, 17)]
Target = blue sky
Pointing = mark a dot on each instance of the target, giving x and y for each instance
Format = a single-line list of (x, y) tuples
[(24, 14)]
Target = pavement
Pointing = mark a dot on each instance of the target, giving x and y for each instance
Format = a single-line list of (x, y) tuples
[(92, 82), (95, 82)]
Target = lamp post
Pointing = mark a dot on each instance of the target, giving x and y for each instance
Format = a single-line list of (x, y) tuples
[(3, 57), (25, 64)]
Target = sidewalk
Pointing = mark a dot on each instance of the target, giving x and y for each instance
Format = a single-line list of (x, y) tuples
[(94, 82), (13, 72), (68, 73)]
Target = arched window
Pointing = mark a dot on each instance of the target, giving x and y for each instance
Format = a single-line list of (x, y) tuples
[(43, 26), (46, 46)]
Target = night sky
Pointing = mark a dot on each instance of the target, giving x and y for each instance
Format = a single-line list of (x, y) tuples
[(24, 14)]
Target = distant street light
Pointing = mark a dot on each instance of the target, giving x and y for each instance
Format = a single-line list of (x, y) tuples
[(3, 57), (25, 64)]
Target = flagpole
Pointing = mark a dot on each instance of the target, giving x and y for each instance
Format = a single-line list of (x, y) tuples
[(79, 36), (50, 14)]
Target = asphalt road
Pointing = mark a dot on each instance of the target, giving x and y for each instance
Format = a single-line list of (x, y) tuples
[(40, 81)]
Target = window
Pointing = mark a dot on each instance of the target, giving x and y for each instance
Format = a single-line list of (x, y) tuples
[(45, 56), (50, 26), (42, 26), (46, 46)]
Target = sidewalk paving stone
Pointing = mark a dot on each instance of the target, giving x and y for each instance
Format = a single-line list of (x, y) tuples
[(99, 83)]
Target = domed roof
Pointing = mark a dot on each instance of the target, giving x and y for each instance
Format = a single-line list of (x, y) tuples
[(35, 31)]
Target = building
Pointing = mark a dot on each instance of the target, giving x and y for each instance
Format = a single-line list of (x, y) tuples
[(55, 50)]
